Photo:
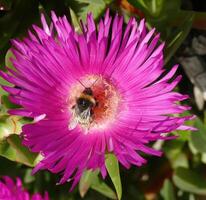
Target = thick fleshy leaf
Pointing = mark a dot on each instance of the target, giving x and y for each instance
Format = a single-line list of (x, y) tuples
[(188, 180), (9, 125), (28, 177), (199, 19), (12, 149), (173, 28), (176, 39), (203, 158), (3, 82), (9, 64), (151, 7), (112, 166), (75, 21), (7, 103), (91, 180), (173, 151), (86, 181), (160, 9), (198, 138), (8, 57), (94, 6), (167, 192), (103, 188)]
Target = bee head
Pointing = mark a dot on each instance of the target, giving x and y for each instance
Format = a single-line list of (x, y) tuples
[(83, 104), (88, 91)]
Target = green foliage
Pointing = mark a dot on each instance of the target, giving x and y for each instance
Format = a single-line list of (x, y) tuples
[(153, 8), (198, 139), (86, 181), (75, 21), (167, 191), (95, 6), (9, 125), (112, 166), (174, 152), (103, 188), (176, 39), (8, 57), (158, 9), (190, 181), (171, 21), (90, 179), (17, 17), (12, 149)]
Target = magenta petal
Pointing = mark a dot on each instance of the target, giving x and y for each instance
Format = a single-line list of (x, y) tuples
[(10, 190), (54, 60)]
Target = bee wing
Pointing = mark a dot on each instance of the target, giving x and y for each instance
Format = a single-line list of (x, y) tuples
[(73, 124), (83, 117), (73, 121), (86, 114)]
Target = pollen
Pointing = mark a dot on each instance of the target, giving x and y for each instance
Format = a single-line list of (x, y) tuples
[(105, 109)]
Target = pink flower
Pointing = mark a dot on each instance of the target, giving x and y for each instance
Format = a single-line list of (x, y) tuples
[(9, 190), (93, 92)]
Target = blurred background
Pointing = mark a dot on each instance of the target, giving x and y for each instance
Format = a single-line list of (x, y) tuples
[(181, 172)]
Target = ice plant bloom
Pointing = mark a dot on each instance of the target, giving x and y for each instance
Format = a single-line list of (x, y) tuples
[(10, 190), (93, 92)]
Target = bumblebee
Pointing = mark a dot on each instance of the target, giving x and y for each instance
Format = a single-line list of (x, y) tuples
[(83, 109)]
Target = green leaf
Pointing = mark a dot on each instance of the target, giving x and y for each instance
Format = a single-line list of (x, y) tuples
[(7, 103), (150, 7), (188, 180), (103, 188), (198, 138), (176, 39), (192, 148), (199, 21), (28, 178), (90, 179), (108, 1), (112, 166), (8, 57), (157, 9), (94, 6), (203, 158), (173, 151), (9, 64), (167, 192), (12, 149), (3, 82), (86, 181), (9, 125), (75, 21), (139, 4), (180, 161)]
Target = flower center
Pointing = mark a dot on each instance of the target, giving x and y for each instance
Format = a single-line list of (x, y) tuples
[(93, 102)]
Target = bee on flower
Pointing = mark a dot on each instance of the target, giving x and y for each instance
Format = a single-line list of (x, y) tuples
[(94, 92)]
